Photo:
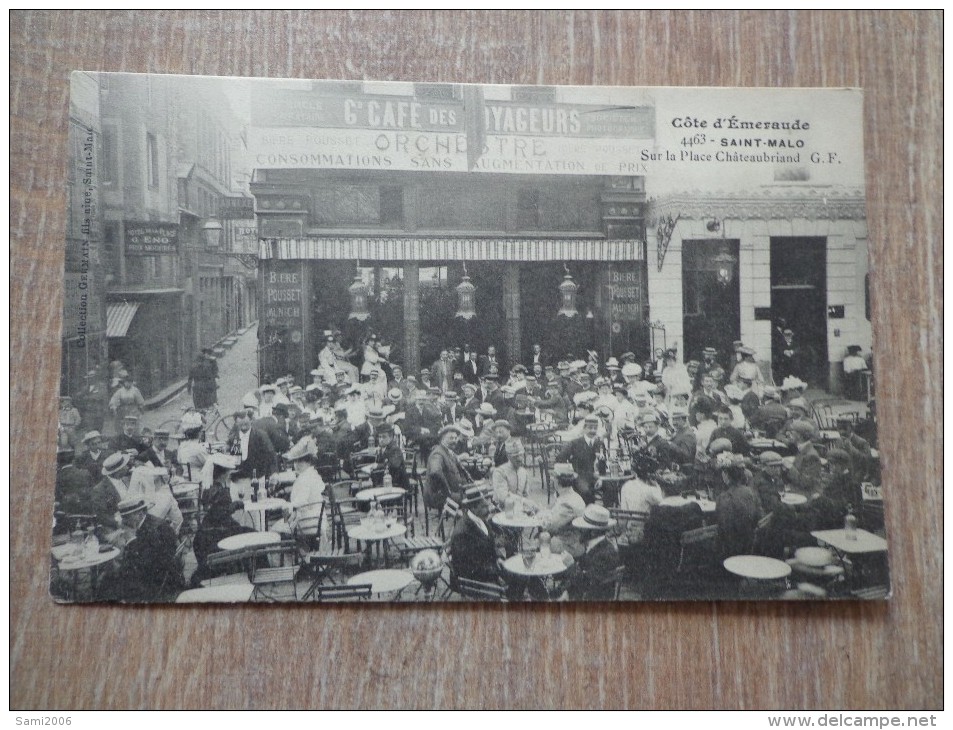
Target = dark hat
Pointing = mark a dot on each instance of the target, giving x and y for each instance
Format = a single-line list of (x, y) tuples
[(838, 455), (476, 494), (853, 349), (280, 408), (845, 419)]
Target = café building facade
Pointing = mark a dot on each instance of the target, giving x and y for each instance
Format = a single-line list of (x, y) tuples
[(375, 214)]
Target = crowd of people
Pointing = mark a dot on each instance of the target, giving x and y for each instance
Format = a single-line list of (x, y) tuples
[(475, 429)]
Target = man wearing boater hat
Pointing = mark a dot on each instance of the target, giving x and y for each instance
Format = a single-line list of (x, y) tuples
[(473, 552), (150, 570), (592, 576), (582, 454), (106, 494)]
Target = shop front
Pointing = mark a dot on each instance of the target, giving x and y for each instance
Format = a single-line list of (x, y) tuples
[(748, 266), (423, 295)]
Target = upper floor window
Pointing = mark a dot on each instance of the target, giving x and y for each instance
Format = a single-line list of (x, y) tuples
[(152, 160)]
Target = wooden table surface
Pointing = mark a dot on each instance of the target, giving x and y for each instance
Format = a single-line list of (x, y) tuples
[(709, 655)]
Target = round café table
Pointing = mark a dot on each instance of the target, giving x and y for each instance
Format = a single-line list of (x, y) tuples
[(543, 572), (544, 566), (238, 593), (383, 581), (68, 562), (369, 534), (760, 575), (264, 506), (793, 498), (706, 505), (518, 521), (248, 539), (383, 494)]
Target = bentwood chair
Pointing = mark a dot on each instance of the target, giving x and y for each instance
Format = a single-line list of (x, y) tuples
[(343, 511), (274, 571), (227, 567), (478, 590), (333, 593)]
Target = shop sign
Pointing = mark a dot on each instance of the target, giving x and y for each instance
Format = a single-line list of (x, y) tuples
[(324, 129), (283, 294), (150, 238), (241, 236), (622, 294)]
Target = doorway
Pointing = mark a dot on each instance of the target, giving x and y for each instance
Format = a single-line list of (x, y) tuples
[(799, 302), (710, 296)]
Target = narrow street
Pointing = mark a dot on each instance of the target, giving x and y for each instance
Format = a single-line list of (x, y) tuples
[(238, 373)]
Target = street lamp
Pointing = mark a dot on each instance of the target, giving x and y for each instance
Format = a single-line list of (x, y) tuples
[(212, 234)]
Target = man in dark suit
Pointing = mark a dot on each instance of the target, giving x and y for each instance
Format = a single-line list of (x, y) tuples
[(370, 428), (93, 457), (488, 361), (129, 439), (473, 553), (108, 492), (158, 454), (537, 358), (582, 454), (150, 570), (276, 427), (72, 483), (593, 576), (253, 446), (391, 458), (422, 419), (680, 449), (469, 367), (806, 473), (445, 475)]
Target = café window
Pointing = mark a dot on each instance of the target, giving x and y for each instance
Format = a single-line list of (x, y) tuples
[(110, 168), (527, 209), (152, 160), (392, 205)]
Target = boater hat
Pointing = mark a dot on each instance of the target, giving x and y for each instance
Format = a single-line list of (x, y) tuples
[(486, 409), (304, 448), (595, 517), (90, 435), (131, 506), (447, 429), (115, 463)]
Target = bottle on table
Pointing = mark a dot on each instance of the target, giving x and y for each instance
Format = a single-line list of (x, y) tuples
[(254, 485), (388, 480), (850, 524), (91, 543)]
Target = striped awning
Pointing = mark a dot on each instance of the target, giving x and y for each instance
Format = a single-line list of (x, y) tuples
[(119, 316), (452, 249)]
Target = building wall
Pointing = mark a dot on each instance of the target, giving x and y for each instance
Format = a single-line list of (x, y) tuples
[(846, 268)]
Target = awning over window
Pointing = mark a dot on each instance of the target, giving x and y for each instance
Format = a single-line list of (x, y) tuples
[(119, 316), (452, 249)]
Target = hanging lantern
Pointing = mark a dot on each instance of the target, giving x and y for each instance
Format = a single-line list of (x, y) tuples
[(724, 268), (567, 296), (358, 293), (466, 297)]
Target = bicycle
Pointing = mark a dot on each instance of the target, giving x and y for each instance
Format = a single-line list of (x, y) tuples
[(216, 425)]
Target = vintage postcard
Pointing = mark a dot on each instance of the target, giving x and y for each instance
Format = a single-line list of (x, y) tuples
[(358, 341)]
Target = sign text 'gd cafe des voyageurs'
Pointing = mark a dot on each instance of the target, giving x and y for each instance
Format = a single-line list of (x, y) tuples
[(319, 129)]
